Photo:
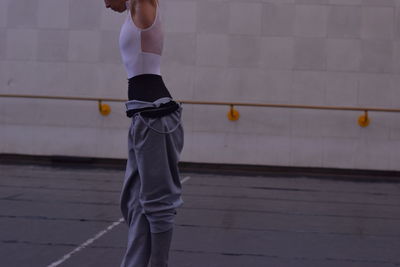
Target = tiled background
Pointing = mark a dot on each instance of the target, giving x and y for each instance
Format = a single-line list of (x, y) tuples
[(313, 52)]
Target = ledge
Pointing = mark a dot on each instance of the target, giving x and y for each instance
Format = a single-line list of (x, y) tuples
[(355, 175)]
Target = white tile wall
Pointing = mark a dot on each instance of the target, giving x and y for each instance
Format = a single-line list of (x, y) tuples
[(208, 81), (212, 17), (308, 87), (396, 57), (185, 22), (21, 44), (345, 2), (182, 88), (59, 141), (377, 22), (246, 84), (306, 151), (312, 52), (52, 45), (59, 16), (112, 80), (341, 89), (111, 21), (180, 48), (377, 90), (340, 124), (277, 53), (245, 18), (278, 19), (397, 25), (341, 152), (51, 77), (344, 21), (379, 2), (83, 79), (19, 78), (343, 54), (84, 46), (310, 20), (109, 48), (85, 14), (3, 39), (376, 152), (22, 14), (3, 13), (394, 155), (211, 49), (276, 150), (278, 84), (377, 56), (3, 80), (244, 51)]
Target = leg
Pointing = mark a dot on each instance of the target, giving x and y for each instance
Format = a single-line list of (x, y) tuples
[(139, 237), (160, 244), (158, 156), (139, 243)]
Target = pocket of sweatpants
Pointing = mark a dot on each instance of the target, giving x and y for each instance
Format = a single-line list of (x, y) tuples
[(163, 125), (175, 119), (148, 131)]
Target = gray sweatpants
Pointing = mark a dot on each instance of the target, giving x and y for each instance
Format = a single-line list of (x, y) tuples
[(151, 190)]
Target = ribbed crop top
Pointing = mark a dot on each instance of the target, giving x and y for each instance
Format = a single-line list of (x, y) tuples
[(141, 49)]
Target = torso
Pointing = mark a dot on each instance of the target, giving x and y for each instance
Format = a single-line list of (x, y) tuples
[(141, 48)]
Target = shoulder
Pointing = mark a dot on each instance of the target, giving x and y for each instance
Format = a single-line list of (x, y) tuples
[(153, 2), (144, 6), (145, 2)]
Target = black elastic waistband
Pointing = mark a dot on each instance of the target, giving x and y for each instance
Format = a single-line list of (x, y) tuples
[(147, 87), (163, 110)]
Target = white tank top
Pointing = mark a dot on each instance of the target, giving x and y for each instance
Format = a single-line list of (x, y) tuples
[(141, 49)]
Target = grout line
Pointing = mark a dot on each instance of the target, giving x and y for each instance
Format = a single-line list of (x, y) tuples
[(97, 236)]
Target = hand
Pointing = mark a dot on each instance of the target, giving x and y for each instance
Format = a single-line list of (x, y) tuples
[(116, 5)]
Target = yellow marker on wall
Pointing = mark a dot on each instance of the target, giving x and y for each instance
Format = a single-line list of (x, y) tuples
[(363, 120), (233, 114), (104, 109)]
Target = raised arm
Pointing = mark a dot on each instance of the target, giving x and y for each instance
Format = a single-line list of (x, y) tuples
[(143, 12)]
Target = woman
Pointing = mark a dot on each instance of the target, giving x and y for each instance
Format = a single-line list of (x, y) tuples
[(151, 190)]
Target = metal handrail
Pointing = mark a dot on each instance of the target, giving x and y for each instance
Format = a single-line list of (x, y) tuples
[(233, 114)]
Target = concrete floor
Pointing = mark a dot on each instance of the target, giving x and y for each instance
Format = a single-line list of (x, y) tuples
[(48, 213)]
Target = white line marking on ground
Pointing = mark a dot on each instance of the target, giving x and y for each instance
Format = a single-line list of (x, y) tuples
[(86, 243), (97, 236), (185, 179)]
